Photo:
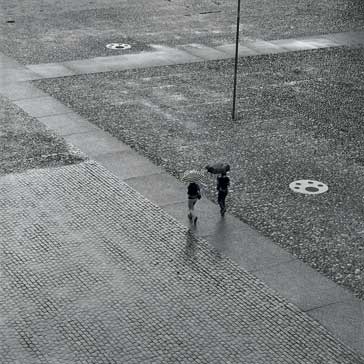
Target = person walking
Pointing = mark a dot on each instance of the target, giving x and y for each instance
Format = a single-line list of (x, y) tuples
[(194, 194), (223, 183)]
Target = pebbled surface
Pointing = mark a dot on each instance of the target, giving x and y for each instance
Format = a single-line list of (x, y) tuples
[(94, 273), (47, 31), (25, 143)]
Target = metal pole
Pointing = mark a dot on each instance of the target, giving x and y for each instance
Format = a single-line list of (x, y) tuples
[(236, 61)]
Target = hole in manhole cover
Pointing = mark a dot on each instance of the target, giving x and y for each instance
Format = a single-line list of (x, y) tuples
[(308, 187), (10, 21), (119, 46)]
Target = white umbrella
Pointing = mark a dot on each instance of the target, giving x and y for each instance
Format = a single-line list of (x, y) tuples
[(193, 176)]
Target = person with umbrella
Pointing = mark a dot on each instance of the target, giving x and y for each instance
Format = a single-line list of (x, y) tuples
[(223, 182), (193, 178)]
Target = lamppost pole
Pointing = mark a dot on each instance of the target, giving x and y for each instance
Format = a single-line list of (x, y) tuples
[(234, 116)]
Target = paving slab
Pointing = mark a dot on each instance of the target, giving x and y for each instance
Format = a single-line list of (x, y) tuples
[(50, 70), (346, 318), (264, 47), (140, 60), (302, 285), (85, 66), (67, 124), (243, 51), (202, 51), (352, 39), (42, 106), (127, 164), (207, 212), (94, 272), (294, 44), (161, 188), (21, 90), (249, 247), (323, 42), (8, 75), (230, 236), (177, 56), (96, 143), (165, 56)]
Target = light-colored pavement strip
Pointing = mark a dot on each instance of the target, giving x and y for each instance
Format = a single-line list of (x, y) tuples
[(188, 53), (331, 305), (94, 272)]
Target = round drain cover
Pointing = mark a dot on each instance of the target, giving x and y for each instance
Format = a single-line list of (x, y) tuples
[(308, 187), (119, 46)]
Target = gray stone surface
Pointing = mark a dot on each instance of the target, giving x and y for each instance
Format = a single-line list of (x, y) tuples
[(127, 164), (49, 70), (140, 60), (9, 75), (294, 44), (252, 250), (208, 214), (21, 90), (165, 56), (302, 285), (85, 66), (67, 124), (352, 39), (263, 47), (160, 188), (42, 106), (346, 318), (203, 51), (231, 237), (92, 272), (96, 143), (178, 56), (242, 51), (323, 42)]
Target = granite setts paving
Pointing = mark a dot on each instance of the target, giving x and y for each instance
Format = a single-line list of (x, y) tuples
[(92, 272)]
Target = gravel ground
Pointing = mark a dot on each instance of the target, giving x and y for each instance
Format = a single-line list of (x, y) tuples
[(25, 143), (49, 31), (299, 118)]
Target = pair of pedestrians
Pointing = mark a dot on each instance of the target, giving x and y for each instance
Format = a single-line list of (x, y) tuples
[(194, 193)]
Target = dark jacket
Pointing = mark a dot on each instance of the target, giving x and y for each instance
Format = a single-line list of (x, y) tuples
[(223, 183), (193, 190)]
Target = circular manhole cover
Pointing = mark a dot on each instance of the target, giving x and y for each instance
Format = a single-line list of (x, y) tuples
[(119, 46), (308, 187)]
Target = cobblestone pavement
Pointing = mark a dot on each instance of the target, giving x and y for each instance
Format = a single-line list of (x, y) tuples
[(94, 273)]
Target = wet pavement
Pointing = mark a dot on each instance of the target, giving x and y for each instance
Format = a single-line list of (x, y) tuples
[(94, 267), (94, 272), (298, 117)]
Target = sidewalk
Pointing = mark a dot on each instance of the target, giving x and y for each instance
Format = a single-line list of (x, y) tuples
[(94, 272)]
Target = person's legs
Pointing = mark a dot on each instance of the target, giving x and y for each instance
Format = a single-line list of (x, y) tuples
[(221, 200), (191, 205)]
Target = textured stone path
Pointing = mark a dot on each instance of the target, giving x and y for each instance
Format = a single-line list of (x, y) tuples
[(189, 53), (94, 273)]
